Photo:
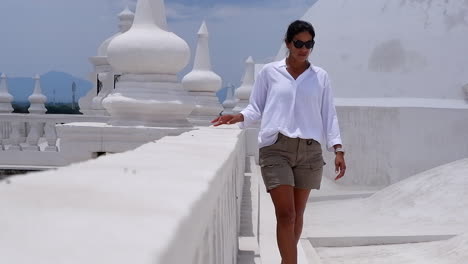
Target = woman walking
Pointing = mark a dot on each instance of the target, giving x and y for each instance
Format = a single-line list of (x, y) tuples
[(293, 100)]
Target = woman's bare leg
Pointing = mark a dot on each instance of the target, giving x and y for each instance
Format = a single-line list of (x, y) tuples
[(300, 201), (283, 200)]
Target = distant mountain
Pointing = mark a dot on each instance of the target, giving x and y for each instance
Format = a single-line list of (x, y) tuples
[(21, 88)]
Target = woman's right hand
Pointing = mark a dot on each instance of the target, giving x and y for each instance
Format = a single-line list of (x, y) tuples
[(227, 119)]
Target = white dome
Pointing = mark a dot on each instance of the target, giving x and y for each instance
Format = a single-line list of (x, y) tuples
[(383, 48), (147, 48), (102, 51), (202, 81)]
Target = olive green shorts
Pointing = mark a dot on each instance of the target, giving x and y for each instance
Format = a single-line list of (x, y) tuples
[(292, 161)]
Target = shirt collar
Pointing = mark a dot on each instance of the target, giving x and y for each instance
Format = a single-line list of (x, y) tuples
[(282, 64)]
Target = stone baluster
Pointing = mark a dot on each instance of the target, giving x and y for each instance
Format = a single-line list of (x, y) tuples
[(36, 130), (5, 128), (16, 138), (51, 136)]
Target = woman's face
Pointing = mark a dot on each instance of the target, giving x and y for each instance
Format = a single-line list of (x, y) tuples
[(300, 54)]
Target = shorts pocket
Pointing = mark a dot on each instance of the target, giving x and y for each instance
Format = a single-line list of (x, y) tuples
[(270, 161), (315, 160)]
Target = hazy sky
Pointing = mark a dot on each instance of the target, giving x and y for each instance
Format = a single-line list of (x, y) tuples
[(37, 36)]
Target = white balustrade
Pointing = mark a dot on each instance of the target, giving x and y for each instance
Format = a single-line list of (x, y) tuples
[(27, 138)]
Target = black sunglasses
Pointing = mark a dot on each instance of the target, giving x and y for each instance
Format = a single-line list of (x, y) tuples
[(299, 44)]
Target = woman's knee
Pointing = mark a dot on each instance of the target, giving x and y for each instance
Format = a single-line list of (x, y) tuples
[(286, 216)]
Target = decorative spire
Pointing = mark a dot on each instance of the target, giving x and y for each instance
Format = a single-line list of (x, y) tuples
[(151, 12), (201, 78), (37, 99), (147, 48), (126, 14), (243, 92), (5, 97), (202, 56), (126, 18)]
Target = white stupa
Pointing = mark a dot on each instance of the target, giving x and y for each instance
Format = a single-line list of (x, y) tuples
[(149, 57), (230, 101), (382, 48), (103, 75), (244, 91), (203, 83), (5, 97), (37, 99), (148, 102)]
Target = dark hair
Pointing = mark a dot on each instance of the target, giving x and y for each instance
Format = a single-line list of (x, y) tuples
[(297, 27)]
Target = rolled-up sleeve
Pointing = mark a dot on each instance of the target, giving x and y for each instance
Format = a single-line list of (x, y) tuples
[(329, 118), (254, 110)]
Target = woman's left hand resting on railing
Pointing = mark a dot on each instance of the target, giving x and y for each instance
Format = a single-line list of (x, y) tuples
[(227, 120)]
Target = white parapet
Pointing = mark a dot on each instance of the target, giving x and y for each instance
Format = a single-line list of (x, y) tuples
[(390, 139), (244, 91), (5, 97), (161, 203), (202, 83)]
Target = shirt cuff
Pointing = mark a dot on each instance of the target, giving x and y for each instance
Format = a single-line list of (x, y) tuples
[(332, 143), (246, 122)]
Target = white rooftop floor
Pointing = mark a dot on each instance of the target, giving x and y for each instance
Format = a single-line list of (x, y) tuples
[(430, 206)]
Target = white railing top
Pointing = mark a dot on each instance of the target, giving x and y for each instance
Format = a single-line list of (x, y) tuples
[(120, 208), (59, 118)]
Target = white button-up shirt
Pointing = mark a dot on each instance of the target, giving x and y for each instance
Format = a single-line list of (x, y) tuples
[(297, 108)]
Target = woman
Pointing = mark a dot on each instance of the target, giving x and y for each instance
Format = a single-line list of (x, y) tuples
[(294, 102)]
